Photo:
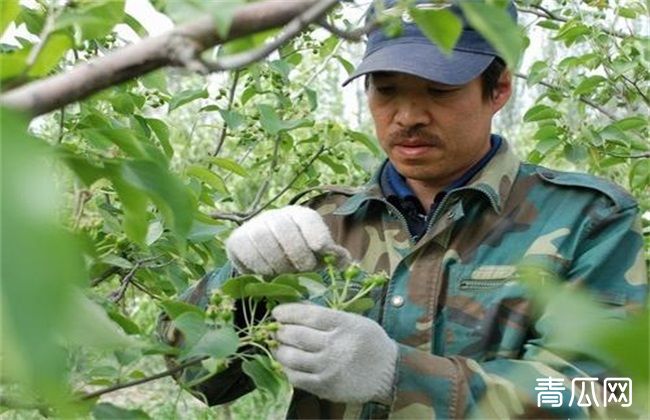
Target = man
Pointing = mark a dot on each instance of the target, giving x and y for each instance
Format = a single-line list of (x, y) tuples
[(450, 216)]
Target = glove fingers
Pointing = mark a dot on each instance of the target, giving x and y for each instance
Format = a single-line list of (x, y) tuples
[(268, 246), (312, 316), (295, 247), (304, 338), (299, 360), (312, 226), (244, 255), (303, 380)]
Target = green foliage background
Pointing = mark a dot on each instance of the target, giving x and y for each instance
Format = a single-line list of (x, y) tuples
[(130, 194)]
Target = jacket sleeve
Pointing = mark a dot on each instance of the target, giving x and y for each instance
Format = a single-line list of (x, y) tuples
[(224, 386), (609, 264)]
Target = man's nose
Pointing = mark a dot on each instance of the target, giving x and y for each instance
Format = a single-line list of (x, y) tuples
[(412, 112)]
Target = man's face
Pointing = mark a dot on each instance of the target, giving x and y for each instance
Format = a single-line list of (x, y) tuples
[(432, 132)]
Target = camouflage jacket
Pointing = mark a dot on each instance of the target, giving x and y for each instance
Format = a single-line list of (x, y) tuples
[(469, 344)]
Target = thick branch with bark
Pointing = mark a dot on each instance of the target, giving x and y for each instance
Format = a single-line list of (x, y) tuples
[(177, 47)]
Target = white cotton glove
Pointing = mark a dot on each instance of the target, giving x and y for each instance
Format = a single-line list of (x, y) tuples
[(286, 240), (335, 355)]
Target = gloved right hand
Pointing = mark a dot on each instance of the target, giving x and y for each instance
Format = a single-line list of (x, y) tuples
[(286, 240)]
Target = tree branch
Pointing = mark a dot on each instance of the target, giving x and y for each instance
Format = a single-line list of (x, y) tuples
[(355, 35), (293, 28), (45, 95), (224, 129), (580, 98), (119, 294), (160, 375), (543, 12), (240, 218)]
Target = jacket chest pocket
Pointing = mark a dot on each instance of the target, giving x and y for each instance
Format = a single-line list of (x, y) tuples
[(486, 313)]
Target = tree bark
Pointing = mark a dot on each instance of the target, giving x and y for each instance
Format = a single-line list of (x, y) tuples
[(45, 95)]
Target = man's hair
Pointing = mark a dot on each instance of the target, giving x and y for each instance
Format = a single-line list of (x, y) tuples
[(489, 77)]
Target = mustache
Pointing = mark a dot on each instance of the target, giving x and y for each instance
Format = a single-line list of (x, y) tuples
[(413, 134)]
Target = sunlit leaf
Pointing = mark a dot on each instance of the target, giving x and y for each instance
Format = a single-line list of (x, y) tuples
[(497, 26), (442, 27)]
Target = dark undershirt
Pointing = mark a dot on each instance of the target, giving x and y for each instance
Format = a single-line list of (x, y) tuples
[(400, 194)]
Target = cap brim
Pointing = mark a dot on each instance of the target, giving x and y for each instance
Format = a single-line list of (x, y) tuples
[(426, 61)]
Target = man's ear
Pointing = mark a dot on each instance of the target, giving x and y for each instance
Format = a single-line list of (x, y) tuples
[(502, 91)]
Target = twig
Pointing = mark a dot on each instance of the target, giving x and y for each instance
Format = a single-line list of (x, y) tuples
[(145, 290), (224, 129), (61, 120), (293, 28), (105, 275), (580, 98), (242, 217), (83, 80), (117, 296), (354, 35), (633, 83), (541, 11), (267, 182), (160, 375), (644, 155)]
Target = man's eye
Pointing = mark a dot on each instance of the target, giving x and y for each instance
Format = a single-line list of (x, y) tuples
[(439, 92), (385, 90)]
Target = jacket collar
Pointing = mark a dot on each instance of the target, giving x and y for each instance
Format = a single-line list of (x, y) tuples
[(493, 182)]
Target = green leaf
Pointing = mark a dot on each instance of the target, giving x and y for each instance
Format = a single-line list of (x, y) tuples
[(360, 306), (161, 130), (272, 123), (260, 370), (208, 177), (313, 283), (271, 290), (192, 326), (349, 67), (364, 139), (589, 84), (631, 123), (442, 27), (229, 165), (186, 97), (223, 14), (335, 166), (156, 80), (291, 280), (640, 175), (170, 195), (154, 232), (134, 204), (571, 32), (541, 112), (117, 261), (41, 261), (218, 343), (91, 20), (126, 323), (575, 153), (236, 286), (547, 132), (89, 325), (136, 26), (176, 308), (496, 25), (201, 232), (55, 47), (106, 411), (233, 119), (13, 64), (546, 145), (34, 19), (8, 11), (537, 73)]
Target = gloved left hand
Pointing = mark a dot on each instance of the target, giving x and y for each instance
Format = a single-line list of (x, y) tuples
[(335, 355)]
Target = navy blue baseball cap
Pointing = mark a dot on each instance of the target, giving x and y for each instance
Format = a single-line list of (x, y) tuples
[(413, 53)]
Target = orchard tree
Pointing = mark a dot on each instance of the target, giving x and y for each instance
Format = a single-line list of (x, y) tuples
[(127, 162)]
